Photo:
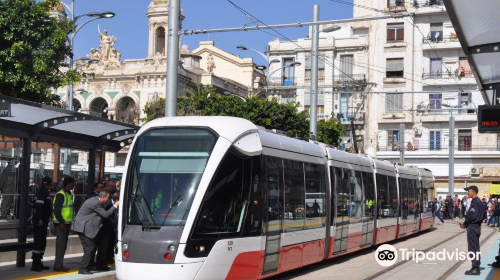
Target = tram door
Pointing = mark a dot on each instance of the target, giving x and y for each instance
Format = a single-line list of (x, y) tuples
[(417, 204), (341, 181), (404, 193), (369, 209), (274, 219)]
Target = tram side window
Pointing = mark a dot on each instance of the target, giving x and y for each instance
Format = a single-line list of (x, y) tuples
[(416, 198), (356, 208), (403, 192), (342, 192), (369, 192), (294, 195), (253, 219), (385, 197), (424, 207), (315, 195), (226, 201)]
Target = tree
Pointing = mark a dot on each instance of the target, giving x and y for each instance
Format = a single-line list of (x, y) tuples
[(330, 131), (204, 101), (33, 50)]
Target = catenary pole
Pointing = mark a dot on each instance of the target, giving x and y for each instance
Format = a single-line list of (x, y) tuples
[(313, 114), (172, 57)]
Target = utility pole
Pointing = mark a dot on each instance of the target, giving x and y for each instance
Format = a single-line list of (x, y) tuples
[(402, 144), (451, 149), (313, 129), (172, 57)]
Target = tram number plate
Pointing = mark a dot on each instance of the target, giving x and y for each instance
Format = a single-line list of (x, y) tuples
[(229, 246)]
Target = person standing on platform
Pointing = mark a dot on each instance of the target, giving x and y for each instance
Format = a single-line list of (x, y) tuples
[(41, 216), (63, 217), (97, 189), (474, 219), (437, 209), (87, 224)]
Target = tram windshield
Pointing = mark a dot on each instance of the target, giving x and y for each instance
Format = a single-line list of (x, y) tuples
[(165, 171)]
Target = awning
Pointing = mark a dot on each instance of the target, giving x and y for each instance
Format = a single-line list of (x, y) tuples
[(477, 25), (43, 123), (495, 189)]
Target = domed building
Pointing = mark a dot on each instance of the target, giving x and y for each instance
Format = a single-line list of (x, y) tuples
[(119, 89)]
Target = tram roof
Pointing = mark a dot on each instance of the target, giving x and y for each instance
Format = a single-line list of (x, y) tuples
[(426, 173), (45, 123), (342, 156), (407, 170)]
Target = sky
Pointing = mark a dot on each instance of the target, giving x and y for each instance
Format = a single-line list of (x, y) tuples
[(130, 25)]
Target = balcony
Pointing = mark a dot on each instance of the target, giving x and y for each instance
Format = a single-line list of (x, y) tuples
[(442, 78), (438, 115), (429, 6), (282, 82), (441, 147), (440, 43), (350, 79)]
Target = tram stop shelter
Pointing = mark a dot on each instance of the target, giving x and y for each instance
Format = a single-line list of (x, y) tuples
[(477, 25), (33, 122)]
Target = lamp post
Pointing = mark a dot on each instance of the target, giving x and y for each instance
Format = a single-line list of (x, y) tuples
[(268, 77), (313, 127), (451, 151), (93, 16)]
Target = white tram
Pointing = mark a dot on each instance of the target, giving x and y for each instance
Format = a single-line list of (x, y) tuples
[(220, 198)]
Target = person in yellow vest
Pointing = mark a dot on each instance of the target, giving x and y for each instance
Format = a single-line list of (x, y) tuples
[(63, 217)]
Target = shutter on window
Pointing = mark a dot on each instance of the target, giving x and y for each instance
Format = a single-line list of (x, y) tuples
[(395, 64), (391, 34), (400, 34)]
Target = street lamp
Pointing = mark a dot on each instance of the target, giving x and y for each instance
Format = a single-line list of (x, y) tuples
[(93, 16), (268, 77), (451, 151), (235, 95)]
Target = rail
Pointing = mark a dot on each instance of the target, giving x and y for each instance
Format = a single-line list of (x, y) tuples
[(350, 79), (442, 75), (282, 82)]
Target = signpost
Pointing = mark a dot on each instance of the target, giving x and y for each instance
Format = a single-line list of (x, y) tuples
[(488, 118), (4, 108)]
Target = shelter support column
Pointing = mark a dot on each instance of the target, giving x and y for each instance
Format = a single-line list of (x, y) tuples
[(91, 169), (23, 209), (102, 163)]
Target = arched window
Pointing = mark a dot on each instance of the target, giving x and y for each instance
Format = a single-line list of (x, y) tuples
[(160, 40)]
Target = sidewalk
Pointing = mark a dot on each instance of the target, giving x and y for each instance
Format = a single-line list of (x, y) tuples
[(487, 272), (9, 271)]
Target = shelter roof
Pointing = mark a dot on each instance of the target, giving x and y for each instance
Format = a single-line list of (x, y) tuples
[(478, 28), (46, 123)]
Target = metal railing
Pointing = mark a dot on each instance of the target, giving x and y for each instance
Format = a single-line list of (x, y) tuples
[(282, 82), (440, 39), (427, 3), (445, 75), (425, 147), (458, 111), (350, 79)]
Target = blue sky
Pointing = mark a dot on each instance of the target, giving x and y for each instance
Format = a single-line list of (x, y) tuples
[(130, 25)]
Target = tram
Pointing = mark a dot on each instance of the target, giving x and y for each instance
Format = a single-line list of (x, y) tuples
[(220, 198)]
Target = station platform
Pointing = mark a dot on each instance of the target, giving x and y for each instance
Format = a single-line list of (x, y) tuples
[(488, 257)]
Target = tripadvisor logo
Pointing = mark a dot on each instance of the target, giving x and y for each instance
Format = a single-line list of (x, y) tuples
[(387, 255)]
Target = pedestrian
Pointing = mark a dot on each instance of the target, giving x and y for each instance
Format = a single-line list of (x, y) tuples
[(456, 206), (63, 217), (496, 208), (437, 209), (97, 189), (450, 207), (41, 216), (473, 221), (87, 224)]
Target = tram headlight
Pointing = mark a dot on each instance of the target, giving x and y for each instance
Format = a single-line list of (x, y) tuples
[(125, 247), (200, 248), (171, 248)]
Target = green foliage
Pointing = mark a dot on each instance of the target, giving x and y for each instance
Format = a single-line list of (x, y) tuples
[(33, 48), (205, 101), (330, 131)]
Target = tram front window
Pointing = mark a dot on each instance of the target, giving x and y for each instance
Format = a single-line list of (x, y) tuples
[(165, 172)]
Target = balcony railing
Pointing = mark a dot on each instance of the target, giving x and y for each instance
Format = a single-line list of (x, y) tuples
[(440, 39), (442, 75), (438, 147), (427, 3), (350, 79), (282, 82), (446, 111)]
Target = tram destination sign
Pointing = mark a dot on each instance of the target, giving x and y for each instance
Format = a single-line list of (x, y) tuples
[(488, 118), (4, 108)]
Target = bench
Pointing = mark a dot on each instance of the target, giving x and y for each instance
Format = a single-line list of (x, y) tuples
[(15, 246)]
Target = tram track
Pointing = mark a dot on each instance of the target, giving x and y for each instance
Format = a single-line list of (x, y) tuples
[(447, 272)]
